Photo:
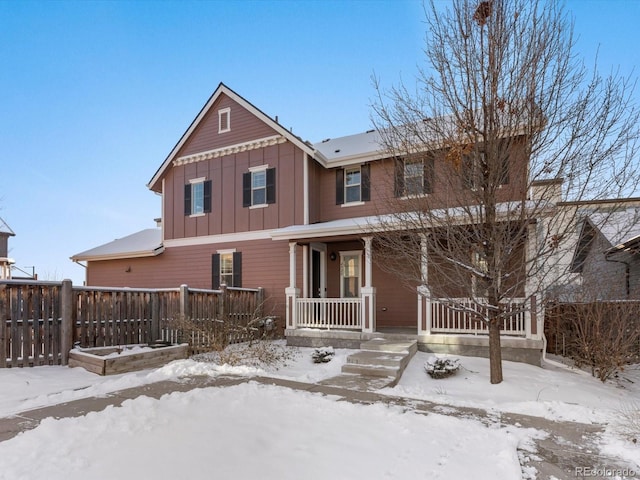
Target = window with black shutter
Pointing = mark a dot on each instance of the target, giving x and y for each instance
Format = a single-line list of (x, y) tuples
[(226, 268), (197, 197)]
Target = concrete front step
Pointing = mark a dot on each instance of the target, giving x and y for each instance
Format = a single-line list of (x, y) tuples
[(371, 370), (381, 358), (389, 345), (370, 357)]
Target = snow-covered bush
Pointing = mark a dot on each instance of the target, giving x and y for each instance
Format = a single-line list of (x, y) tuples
[(441, 367), (323, 354)]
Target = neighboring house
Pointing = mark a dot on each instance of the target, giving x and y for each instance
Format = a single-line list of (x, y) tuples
[(5, 261), (607, 255), (245, 202)]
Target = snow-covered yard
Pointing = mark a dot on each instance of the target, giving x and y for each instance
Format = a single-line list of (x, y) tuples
[(253, 430)]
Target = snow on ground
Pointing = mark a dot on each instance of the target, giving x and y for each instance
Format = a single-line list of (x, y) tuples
[(253, 430)]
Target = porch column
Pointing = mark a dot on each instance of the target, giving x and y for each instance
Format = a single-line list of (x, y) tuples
[(533, 315), (424, 293), (291, 291), (368, 292)]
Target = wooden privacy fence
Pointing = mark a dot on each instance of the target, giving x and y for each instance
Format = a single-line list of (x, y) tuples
[(41, 321)]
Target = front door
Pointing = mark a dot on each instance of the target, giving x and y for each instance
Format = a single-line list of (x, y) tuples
[(318, 270)]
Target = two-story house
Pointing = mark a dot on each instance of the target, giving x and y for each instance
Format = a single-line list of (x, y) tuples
[(245, 202)]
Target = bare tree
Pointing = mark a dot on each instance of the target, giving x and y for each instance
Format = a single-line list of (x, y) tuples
[(504, 126)]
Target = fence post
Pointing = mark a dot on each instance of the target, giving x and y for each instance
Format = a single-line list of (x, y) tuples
[(155, 317), (224, 302), (184, 302), (66, 314), (260, 303), (4, 315)]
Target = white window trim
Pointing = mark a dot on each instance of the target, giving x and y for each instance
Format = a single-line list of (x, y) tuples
[(356, 202), (226, 250), (192, 182), (222, 112), (349, 253), (352, 204), (258, 169)]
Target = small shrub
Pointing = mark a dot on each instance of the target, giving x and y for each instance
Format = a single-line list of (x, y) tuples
[(323, 355), (629, 420), (441, 367)]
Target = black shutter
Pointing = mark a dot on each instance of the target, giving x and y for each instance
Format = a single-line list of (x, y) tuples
[(339, 186), (246, 189), (215, 271), (187, 199), (398, 190), (207, 196), (237, 269), (365, 183), (504, 177), (271, 185), (427, 172)]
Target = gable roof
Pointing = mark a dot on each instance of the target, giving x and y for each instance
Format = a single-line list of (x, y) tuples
[(5, 229), (146, 243), (620, 229), (224, 90)]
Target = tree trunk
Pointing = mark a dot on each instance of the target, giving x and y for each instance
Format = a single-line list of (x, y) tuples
[(495, 351)]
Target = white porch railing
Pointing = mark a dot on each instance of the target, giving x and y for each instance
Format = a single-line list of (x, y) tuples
[(339, 313), (457, 316)]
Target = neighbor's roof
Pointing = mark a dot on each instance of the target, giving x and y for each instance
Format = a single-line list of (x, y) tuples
[(618, 227), (146, 243), (4, 228)]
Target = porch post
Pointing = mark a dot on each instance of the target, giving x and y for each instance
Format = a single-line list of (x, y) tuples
[(291, 291), (424, 293), (368, 292), (533, 315)]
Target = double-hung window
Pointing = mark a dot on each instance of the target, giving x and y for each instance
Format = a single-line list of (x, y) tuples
[(414, 176), (226, 268), (197, 196), (259, 187), (352, 185)]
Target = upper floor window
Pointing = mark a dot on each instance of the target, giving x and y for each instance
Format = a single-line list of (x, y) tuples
[(414, 176), (197, 196), (352, 185), (478, 172), (224, 120), (259, 187)]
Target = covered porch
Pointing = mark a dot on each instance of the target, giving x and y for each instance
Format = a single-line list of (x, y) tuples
[(337, 296)]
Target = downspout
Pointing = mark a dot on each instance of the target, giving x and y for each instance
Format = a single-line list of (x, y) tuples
[(85, 270), (627, 272)]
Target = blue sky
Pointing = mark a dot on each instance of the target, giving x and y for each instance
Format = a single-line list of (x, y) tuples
[(96, 93)]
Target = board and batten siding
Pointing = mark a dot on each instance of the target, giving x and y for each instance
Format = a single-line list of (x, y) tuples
[(244, 128), (227, 213)]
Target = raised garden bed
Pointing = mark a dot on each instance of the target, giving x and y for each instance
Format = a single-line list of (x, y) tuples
[(125, 358)]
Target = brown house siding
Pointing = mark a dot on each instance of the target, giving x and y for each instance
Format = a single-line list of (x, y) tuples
[(265, 263), (244, 127), (227, 213), (448, 190)]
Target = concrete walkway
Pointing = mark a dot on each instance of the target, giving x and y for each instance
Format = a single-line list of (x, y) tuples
[(569, 446)]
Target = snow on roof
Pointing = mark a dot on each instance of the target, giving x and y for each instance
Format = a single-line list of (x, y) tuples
[(4, 228), (352, 148), (618, 227), (146, 243)]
